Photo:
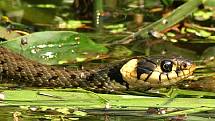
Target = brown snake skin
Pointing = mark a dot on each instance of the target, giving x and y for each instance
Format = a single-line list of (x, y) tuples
[(14, 68)]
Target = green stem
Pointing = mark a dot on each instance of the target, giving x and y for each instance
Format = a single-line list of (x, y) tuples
[(98, 10), (175, 17)]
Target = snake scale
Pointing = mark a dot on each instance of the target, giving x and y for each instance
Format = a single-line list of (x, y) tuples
[(134, 74)]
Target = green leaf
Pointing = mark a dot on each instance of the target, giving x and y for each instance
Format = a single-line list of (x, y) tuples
[(90, 100), (208, 56), (80, 113), (202, 15), (56, 47)]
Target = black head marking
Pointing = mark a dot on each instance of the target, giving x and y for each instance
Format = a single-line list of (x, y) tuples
[(145, 66)]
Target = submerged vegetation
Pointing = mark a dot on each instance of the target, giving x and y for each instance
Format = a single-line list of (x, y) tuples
[(87, 33)]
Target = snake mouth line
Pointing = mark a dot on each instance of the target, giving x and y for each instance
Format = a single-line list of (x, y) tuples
[(192, 68)]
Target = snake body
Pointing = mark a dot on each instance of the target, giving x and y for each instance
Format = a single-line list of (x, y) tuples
[(135, 73)]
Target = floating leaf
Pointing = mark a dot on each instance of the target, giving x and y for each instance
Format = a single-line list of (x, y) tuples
[(208, 56), (202, 15), (199, 32), (63, 110), (168, 48), (120, 51), (211, 37), (204, 33), (80, 113), (54, 47)]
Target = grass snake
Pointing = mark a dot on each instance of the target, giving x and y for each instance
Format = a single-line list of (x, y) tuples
[(136, 73)]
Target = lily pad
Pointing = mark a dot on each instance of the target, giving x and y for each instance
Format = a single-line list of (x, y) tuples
[(208, 56), (56, 47), (172, 50)]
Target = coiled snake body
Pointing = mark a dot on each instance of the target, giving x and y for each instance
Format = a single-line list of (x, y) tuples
[(136, 73)]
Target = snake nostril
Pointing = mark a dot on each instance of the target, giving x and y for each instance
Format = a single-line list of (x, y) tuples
[(183, 66)]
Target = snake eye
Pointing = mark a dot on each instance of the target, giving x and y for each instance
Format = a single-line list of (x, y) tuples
[(166, 66)]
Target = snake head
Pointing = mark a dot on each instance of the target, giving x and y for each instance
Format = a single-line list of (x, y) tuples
[(156, 71)]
